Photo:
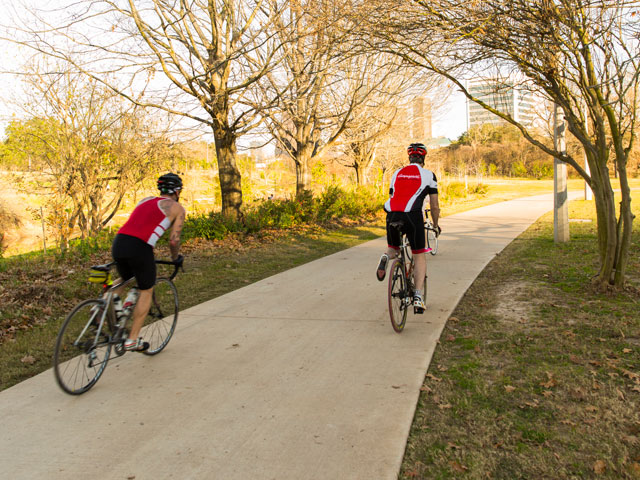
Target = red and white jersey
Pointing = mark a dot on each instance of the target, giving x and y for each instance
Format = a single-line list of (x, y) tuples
[(147, 221), (409, 187)]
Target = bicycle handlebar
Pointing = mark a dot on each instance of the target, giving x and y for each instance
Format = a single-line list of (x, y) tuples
[(437, 229), (177, 264)]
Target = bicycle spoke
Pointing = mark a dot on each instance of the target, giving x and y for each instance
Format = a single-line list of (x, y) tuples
[(163, 316), (80, 355), (397, 295)]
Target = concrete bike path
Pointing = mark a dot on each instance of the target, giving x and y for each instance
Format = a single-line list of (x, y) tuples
[(298, 376)]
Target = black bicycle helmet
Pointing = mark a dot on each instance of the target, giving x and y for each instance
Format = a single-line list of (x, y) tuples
[(169, 183), (417, 149)]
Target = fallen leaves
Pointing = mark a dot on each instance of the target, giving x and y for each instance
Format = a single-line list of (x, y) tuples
[(457, 467), (575, 359), (28, 360), (599, 467), (533, 404), (551, 381)]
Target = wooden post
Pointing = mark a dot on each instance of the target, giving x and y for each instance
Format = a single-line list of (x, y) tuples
[(588, 194), (560, 197)]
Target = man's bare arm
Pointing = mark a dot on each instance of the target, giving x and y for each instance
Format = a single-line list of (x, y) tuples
[(435, 208), (176, 232)]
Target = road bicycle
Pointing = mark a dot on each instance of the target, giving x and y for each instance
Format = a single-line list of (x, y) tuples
[(94, 327), (431, 234), (401, 285)]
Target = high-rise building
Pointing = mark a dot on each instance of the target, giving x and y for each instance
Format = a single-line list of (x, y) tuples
[(505, 96), (421, 130)]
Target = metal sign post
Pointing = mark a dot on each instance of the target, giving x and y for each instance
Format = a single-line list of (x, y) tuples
[(560, 197), (588, 194)]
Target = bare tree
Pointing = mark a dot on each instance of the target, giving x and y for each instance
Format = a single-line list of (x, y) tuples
[(88, 148), (314, 95), (582, 55), (393, 91), (193, 58), (360, 142)]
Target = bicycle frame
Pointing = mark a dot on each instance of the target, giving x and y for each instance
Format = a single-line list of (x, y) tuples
[(107, 310), (108, 293), (405, 257), (93, 327)]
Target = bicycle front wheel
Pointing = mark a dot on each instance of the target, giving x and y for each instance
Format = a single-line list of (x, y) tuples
[(432, 241), (81, 352), (398, 305), (163, 316)]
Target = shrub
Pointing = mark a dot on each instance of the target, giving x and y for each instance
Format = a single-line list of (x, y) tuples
[(84, 247), (333, 203), (211, 226), (453, 190)]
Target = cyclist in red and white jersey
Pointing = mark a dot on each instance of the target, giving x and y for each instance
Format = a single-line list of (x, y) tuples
[(133, 245), (409, 188)]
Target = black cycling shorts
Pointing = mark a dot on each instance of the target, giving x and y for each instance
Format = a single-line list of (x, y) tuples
[(413, 229), (134, 258)]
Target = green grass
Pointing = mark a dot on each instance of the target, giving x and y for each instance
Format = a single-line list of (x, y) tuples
[(544, 373), (539, 381), (37, 294)]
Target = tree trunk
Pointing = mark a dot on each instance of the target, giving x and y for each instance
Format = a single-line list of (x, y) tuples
[(228, 173), (625, 232), (606, 217), (366, 167), (356, 167), (303, 173)]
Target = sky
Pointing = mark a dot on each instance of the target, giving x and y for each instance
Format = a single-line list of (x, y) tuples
[(448, 121), (451, 120)]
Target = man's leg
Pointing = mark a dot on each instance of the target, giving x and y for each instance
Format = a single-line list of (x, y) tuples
[(381, 271), (140, 312), (419, 271)]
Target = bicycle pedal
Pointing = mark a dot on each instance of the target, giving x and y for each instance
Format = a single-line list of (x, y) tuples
[(418, 310)]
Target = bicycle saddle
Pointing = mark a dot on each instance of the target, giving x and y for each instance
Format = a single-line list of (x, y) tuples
[(103, 268), (398, 224)]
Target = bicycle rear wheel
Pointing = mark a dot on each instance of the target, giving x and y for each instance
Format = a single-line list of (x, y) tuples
[(432, 240), (81, 352), (163, 316), (397, 296)]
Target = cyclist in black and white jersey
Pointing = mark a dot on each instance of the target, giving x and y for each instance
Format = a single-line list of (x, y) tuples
[(409, 188)]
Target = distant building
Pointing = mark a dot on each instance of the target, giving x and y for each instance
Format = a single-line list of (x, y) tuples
[(257, 152), (503, 95), (421, 122)]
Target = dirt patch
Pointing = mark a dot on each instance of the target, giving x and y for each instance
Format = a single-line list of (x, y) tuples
[(19, 231), (514, 303)]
